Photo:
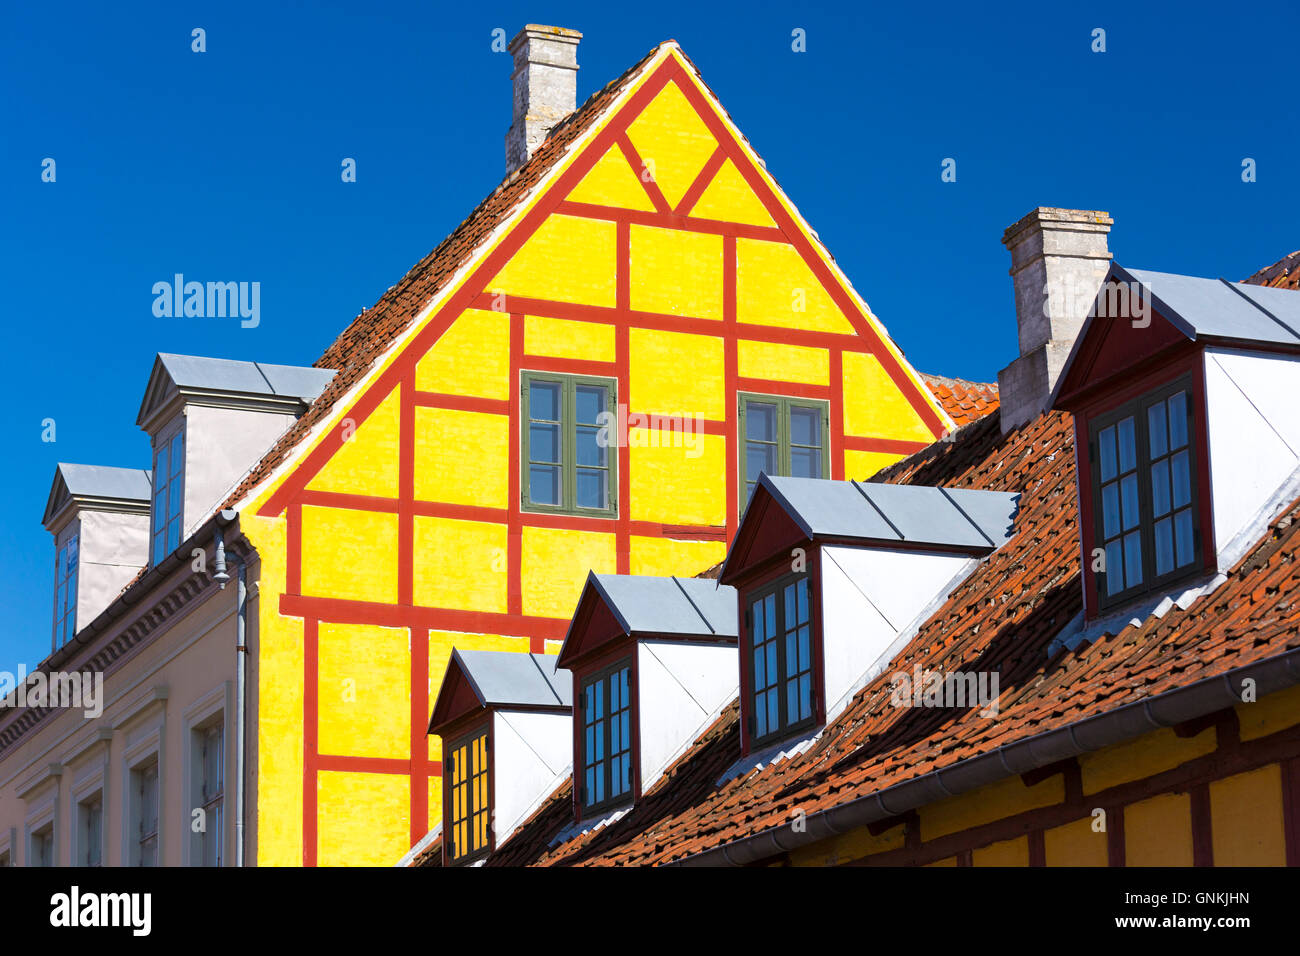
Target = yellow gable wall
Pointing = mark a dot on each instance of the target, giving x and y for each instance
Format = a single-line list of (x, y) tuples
[(410, 539)]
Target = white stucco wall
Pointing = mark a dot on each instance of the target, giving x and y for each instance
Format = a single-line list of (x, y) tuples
[(70, 755), (529, 750), (679, 686), (1254, 437), (114, 546), (869, 597), (221, 444)]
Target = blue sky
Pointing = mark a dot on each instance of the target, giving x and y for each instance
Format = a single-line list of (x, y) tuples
[(225, 166)]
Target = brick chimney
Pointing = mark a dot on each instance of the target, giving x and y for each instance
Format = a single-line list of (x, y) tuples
[(546, 87), (1058, 261)]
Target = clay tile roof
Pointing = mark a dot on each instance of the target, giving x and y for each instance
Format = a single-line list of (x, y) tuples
[(371, 333), (1003, 617), (964, 401), (1283, 274)]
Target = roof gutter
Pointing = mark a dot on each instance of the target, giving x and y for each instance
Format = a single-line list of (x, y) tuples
[(1093, 733)]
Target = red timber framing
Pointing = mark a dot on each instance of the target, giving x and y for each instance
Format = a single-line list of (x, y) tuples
[(292, 493)]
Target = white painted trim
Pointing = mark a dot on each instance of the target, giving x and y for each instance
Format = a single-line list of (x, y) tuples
[(94, 778), (43, 811), (146, 743), (200, 714)]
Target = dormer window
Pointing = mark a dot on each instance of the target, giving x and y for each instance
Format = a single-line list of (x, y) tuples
[(1143, 474), (653, 662), (832, 579), (468, 801), (605, 703), (65, 591), (779, 622), (506, 726), (168, 492)]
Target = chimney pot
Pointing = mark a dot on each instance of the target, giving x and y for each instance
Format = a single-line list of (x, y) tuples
[(545, 87), (1059, 258)]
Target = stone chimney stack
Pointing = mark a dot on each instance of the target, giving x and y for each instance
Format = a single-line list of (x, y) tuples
[(1058, 261), (546, 87)]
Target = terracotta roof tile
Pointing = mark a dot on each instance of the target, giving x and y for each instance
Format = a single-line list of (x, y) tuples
[(1004, 617), (1283, 274), (965, 402)]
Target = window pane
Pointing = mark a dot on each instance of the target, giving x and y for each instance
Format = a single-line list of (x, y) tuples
[(1178, 420), (544, 443), (544, 401), (590, 452), (1106, 448), (759, 458), (760, 421), (1127, 436), (590, 488), (173, 500), (1185, 551), (756, 615), (805, 426), (1156, 429), (805, 463), (590, 401), (178, 456), (1129, 496), (769, 608), (1132, 559), (1110, 510), (1182, 474), (1164, 546), (544, 484), (803, 600), (1160, 488), (160, 472), (1114, 568)]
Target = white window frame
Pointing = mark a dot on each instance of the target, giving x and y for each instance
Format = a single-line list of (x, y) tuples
[(69, 606), (93, 781), (43, 812), (174, 483), (212, 707), (143, 746)]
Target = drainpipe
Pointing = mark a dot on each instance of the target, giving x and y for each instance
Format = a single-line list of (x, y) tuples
[(221, 576)]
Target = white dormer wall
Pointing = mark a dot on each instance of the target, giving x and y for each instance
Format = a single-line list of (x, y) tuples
[(530, 749), (680, 687), (1254, 441), (114, 547), (221, 445), (871, 597)]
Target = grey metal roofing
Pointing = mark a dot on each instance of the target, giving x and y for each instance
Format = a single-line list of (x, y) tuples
[(646, 604), (509, 678), (897, 514), (105, 481), (1222, 309), (253, 378)]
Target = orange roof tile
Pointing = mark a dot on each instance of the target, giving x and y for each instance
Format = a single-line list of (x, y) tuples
[(965, 402), (1003, 617)]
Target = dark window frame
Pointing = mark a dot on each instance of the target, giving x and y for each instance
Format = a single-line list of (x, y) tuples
[(568, 452), (784, 728), (449, 784), (585, 683), (1136, 408), (784, 403)]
